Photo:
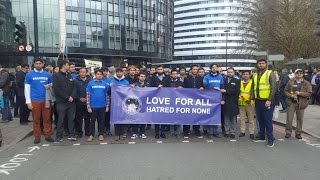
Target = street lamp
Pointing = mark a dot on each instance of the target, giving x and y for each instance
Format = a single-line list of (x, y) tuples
[(227, 33)]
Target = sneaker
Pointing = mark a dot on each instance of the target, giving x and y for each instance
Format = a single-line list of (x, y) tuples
[(242, 134), (251, 136), (72, 138), (143, 136), (185, 135), (36, 140), (226, 135), (197, 133), (287, 136), (90, 138), (124, 135), (270, 144), (232, 136), (216, 135), (298, 136), (101, 138), (58, 140), (134, 136), (260, 140), (49, 139)]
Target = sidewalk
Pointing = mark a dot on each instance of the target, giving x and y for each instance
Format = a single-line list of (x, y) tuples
[(13, 132), (311, 122)]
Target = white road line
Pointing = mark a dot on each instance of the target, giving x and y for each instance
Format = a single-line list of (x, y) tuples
[(233, 140), (210, 141), (280, 139), (78, 144), (45, 145), (200, 137)]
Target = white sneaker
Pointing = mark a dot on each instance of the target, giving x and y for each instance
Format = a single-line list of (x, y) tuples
[(134, 136), (143, 136)]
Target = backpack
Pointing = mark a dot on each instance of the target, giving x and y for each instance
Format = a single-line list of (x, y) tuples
[(3, 79)]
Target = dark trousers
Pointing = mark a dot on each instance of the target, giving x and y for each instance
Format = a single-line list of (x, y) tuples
[(24, 110), (82, 114), (118, 129), (186, 129), (159, 129), (313, 95), (264, 116), (136, 127), (282, 98), (107, 120), (66, 111), (99, 115)]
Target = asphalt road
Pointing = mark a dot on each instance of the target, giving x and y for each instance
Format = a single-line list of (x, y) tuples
[(198, 159)]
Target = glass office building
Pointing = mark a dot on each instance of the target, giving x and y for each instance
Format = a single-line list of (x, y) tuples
[(204, 28), (105, 30)]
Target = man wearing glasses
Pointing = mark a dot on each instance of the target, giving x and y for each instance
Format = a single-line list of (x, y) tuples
[(298, 92)]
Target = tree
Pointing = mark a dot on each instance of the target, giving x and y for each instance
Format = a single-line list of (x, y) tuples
[(282, 26)]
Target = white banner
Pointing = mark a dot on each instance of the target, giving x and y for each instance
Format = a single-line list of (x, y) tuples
[(93, 64)]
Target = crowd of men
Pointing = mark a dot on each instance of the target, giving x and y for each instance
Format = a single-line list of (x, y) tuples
[(73, 101)]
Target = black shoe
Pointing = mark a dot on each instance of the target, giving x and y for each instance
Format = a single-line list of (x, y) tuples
[(162, 135), (226, 135), (24, 123), (36, 140), (251, 136), (287, 136), (205, 132), (298, 136), (242, 134), (232, 136), (283, 111), (216, 135), (157, 136), (28, 121), (185, 135), (49, 139), (0, 143)]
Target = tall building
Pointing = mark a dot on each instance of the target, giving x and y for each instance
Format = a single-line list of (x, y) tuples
[(204, 29), (110, 31)]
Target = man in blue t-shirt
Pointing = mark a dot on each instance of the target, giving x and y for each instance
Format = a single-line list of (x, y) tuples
[(214, 81), (97, 104), (36, 83)]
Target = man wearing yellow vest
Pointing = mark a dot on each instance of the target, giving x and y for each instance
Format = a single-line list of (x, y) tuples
[(246, 106), (265, 87)]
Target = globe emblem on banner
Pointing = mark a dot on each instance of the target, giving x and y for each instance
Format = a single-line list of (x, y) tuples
[(131, 105)]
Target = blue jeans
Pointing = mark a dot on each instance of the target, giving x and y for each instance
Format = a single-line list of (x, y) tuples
[(264, 116), (6, 111), (212, 130)]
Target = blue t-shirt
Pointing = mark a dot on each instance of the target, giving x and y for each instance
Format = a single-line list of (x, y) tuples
[(122, 82), (37, 80), (98, 91), (211, 81), (107, 80)]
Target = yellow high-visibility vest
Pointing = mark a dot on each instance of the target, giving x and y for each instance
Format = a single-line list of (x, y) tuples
[(264, 85), (244, 97)]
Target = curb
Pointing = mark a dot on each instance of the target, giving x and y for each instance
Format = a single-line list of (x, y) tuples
[(16, 141), (304, 131)]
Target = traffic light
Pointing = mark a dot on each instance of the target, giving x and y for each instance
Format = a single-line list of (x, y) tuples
[(21, 33), (317, 22), (2, 9)]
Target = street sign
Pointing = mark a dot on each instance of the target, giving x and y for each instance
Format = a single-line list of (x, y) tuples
[(29, 48), (21, 48)]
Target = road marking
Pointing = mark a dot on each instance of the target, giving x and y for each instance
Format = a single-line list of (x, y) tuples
[(185, 141), (280, 139), (33, 148), (131, 142), (233, 140), (103, 143), (45, 145), (159, 142), (78, 144)]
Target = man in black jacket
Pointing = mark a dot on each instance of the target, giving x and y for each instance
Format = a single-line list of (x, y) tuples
[(157, 80), (81, 82), (66, 93), (21, 99), (231, 108), (193, 81)]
